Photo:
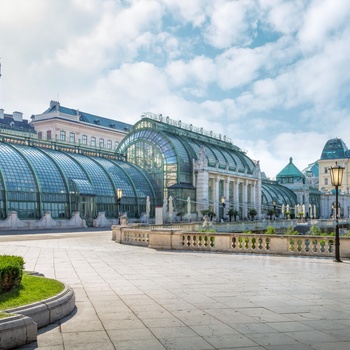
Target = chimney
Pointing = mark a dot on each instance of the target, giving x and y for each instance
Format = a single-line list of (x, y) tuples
[(54, 104), (17, 116), (1, 113)]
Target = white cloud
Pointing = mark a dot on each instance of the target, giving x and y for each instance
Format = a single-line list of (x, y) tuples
[(194, 11), (283, 16), (199, 71), (188, 60), (117, 38), (322, 21), (229, 23), (237, 67)]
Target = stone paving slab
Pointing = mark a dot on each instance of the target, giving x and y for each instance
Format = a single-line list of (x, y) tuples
[(131, 297)]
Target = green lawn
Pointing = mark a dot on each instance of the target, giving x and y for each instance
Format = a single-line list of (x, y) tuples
[(32, 289)]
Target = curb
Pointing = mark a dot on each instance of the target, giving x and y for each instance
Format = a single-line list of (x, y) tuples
[(22, 328)]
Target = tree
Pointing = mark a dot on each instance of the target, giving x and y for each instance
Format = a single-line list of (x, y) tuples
[(270, 212), (252, 213), (233, 213), (209, 213)]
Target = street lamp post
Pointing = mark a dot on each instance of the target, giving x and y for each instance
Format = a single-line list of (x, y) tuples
[(119, 193), (223, 202), (336, 178), (274, 208)]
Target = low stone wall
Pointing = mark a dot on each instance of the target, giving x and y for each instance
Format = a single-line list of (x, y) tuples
[(12, 222), (175, 239), (21, 328)]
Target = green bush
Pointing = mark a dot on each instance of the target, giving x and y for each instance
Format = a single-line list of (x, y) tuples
[(291, 232), (315, 231), (270, 230), (11, 271)]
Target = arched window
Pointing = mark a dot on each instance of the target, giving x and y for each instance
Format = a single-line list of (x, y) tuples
[(109, 144), (102, 143), (72, 137), (93, 141), (84, 140)]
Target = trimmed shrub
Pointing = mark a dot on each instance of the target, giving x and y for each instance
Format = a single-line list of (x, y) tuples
[(315, 231), (291, 232), (11, 271), (270, 230)]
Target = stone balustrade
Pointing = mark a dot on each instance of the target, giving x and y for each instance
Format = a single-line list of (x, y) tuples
[(175, 239)]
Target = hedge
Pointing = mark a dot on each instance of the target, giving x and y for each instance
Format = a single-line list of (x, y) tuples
[(11, 271)]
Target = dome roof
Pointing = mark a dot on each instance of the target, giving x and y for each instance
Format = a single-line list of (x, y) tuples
[(290, 171), (335, 149)]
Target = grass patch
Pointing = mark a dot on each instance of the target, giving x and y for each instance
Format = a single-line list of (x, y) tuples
[(32, 289), (4, 315)]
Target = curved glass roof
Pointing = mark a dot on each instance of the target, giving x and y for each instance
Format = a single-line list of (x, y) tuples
[(335, 149), (141, 183), (99, 178), (119, 177), (70, 168), (49, 177), (26, 171), (178, 148), (16, 172), (271, 191)]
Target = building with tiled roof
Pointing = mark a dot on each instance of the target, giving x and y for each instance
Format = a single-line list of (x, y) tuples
[(80, 128), (14, 123), (335, 150), (308, 196)]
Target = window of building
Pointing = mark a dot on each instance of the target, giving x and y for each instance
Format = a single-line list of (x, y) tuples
[(102, 143), (109, 144), (48, 135), (62, 135), (116, 144), (40, 135), (93, 141), (84, 140), (326, 181), (325, 170), (72, 137)]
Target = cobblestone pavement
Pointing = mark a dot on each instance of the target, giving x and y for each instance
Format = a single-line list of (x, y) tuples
[(135, 298)]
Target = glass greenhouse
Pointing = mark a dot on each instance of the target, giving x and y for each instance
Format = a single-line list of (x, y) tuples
[(34, 180)]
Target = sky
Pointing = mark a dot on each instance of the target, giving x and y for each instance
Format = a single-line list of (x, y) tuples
[(272, 75)]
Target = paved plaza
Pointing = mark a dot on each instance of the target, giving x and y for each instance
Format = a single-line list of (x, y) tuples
[(137, 298)]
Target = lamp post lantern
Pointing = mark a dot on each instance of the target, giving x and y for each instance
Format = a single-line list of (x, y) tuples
[(223, 202), (336, 179), (119, 193), (274, 208)]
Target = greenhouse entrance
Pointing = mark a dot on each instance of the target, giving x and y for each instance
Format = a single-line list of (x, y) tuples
[(87, 209), (84, 200)]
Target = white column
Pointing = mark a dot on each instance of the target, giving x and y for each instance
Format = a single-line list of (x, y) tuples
[(202, 193), (236, 195), (252, 196), (245, 199), (216, 196), (226, 194)]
